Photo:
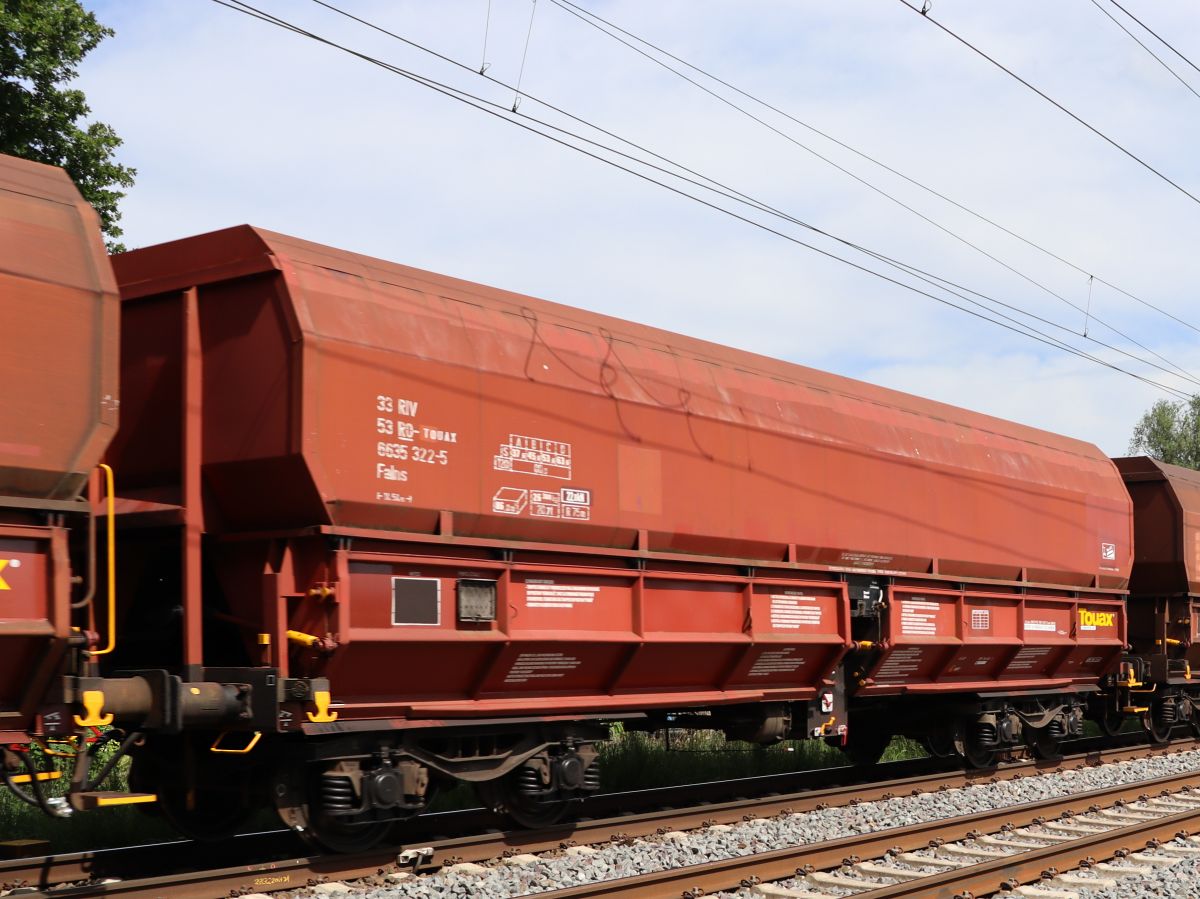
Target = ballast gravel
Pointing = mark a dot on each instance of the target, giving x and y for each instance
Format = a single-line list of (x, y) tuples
[(675, 850), (1180, 881)]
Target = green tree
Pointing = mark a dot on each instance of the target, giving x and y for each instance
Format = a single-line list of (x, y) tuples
[(1170, 432), (41, 45)]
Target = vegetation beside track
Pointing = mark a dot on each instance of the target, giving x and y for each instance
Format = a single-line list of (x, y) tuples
[(630, 761), (93, 830), (635, 761)]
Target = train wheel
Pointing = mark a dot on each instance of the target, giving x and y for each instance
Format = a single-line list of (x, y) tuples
[(1110, 722), (339, 835), (202, 816), (211, 804), (864, 748), (504, 796), (296, 791), (1158, 732), (978, 756), (971, 751), (939, 743), (1045, 746)]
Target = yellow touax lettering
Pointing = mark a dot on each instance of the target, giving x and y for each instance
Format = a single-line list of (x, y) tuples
[(1088, 618), (3, 565)]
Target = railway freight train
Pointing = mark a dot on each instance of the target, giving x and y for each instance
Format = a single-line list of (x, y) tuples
[(292, 526)]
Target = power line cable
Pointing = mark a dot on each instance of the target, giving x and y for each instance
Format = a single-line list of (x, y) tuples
[(1138, 41), (732, 193), (879, 163), (809, 149), (498, 111), (1157, 36), (566, 7), (1090, 127), (487, 27), (524, 55)]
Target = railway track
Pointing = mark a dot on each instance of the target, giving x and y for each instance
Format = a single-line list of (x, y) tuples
[(988, 859), (438, 827), (130, 872)]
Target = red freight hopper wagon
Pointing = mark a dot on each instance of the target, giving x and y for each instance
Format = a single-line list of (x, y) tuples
[(432, 507), (58, 409), (1164, 600)]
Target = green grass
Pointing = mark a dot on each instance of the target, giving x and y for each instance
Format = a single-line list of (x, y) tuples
[(89, 830), (636, 760), (629, 761)]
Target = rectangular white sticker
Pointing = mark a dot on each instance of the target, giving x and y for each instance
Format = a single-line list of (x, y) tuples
[(545, 594), (919, 617), (900, 663), (540, 666), (1027, 658), (776, 661), (790, 611)]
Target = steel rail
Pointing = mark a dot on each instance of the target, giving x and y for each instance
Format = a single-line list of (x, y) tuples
[(992, 876), (434, 827), (732, 873), (297, 871)]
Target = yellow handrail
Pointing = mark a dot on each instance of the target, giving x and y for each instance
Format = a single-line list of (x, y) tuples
[(216, 746), (111, 515)]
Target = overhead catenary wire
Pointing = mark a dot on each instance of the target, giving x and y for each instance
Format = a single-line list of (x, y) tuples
[(499, 111), (496, 110), (1156, 35), (879, 163), (1090, 127), (732, 193), (576, 11), (524, 56), (487, 27), (1138, 41)]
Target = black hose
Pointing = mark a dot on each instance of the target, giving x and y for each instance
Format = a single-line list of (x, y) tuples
[(37, 800), (36, 785), (112, 762), (17, 791)]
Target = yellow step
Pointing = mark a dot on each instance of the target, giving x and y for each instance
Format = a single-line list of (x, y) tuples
[(101, 799)]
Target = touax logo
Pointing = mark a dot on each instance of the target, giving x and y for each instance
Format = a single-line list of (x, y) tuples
[(1088, 618), (7, 563)]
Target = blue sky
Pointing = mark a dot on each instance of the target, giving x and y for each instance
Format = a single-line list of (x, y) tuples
[(230, 121)]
